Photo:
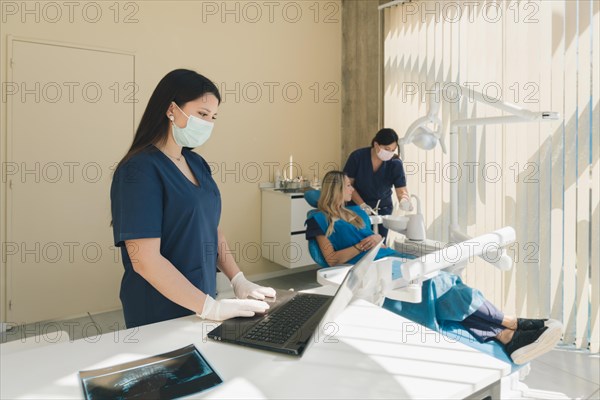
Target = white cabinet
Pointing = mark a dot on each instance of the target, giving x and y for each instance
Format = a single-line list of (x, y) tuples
[(283, 230)]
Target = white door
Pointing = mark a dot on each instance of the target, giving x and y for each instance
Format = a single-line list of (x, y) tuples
[(70, 119)]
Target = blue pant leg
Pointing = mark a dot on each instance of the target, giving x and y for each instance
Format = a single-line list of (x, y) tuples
[(485, 323)]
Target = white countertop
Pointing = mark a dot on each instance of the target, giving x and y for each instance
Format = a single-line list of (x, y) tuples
[(374, 354)]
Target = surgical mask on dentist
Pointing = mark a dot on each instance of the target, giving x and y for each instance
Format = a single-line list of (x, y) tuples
[(385, 155), (196, 132)]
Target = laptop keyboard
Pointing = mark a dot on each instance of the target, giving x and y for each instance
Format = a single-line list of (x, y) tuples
[(281, 324)]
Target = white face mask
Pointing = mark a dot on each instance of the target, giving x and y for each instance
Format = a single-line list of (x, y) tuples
[(196, 132), (385, 155)]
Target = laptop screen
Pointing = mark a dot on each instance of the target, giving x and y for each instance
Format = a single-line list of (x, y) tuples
[(351, 284)]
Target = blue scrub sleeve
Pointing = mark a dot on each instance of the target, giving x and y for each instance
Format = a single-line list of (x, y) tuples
[(313, 229), (351, 167), (137, 204), (398, 173)]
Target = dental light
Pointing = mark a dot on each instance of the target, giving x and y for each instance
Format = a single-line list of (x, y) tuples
[(425, 138), (420, 133)]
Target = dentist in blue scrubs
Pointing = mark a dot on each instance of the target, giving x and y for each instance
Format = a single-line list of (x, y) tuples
[(166, 210), (373, 171)]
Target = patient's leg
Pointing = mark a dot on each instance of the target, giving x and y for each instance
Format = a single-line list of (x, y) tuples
[(524, 324), (523, 339), (486, 323), (524, 345)]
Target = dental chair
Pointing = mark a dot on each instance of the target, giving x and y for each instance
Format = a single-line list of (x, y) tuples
[(383, 287), (402, 279)]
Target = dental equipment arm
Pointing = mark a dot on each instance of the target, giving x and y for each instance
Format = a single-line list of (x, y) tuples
[(379, 284), (516, 114), (424, 137), (452, 255)]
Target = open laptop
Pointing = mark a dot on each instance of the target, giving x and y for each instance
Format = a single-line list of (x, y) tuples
[(294, 318)]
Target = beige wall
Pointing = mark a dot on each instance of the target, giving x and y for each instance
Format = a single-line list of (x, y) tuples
[(242, 51)]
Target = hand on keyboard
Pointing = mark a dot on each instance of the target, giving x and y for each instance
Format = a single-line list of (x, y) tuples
[(243, 288), (220, 310)]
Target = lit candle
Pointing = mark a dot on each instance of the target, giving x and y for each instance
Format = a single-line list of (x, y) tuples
[(291, 177)]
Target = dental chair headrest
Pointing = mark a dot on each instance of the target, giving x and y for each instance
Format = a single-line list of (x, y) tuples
[(312, 197)]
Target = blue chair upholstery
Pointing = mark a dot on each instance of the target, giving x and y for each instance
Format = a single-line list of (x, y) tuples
[(454, 331), (315, 253), (312, 198)]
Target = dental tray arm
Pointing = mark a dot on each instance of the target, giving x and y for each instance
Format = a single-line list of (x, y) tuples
[(456, 253), (379, 284)]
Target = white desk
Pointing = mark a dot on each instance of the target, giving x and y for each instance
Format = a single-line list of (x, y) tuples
[(375, 354)]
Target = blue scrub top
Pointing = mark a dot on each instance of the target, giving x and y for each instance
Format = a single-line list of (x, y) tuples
[(151, 198), (373, 186)]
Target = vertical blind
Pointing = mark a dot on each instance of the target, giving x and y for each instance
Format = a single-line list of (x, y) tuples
[(541, 178)]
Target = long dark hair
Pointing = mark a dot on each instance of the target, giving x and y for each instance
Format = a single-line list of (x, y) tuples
[(179, 86), (384, 137)]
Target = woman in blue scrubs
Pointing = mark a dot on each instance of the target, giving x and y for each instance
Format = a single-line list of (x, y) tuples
[(373, 171), (166, 209), (344, 235)]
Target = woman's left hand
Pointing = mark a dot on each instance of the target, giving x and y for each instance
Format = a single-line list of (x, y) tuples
[(244, 289), (369, 242)]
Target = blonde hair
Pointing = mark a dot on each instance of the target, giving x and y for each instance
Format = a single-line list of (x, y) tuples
[(331, 202)]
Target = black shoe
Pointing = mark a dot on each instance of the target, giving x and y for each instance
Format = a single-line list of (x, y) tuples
[(527, 345), (526, 324)]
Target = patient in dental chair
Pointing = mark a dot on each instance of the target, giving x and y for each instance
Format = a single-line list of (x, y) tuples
[(344, 235)]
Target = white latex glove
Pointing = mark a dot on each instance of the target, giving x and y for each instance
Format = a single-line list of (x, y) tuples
[(367, 208), (243, 288), (220, 310), (405, 204)]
